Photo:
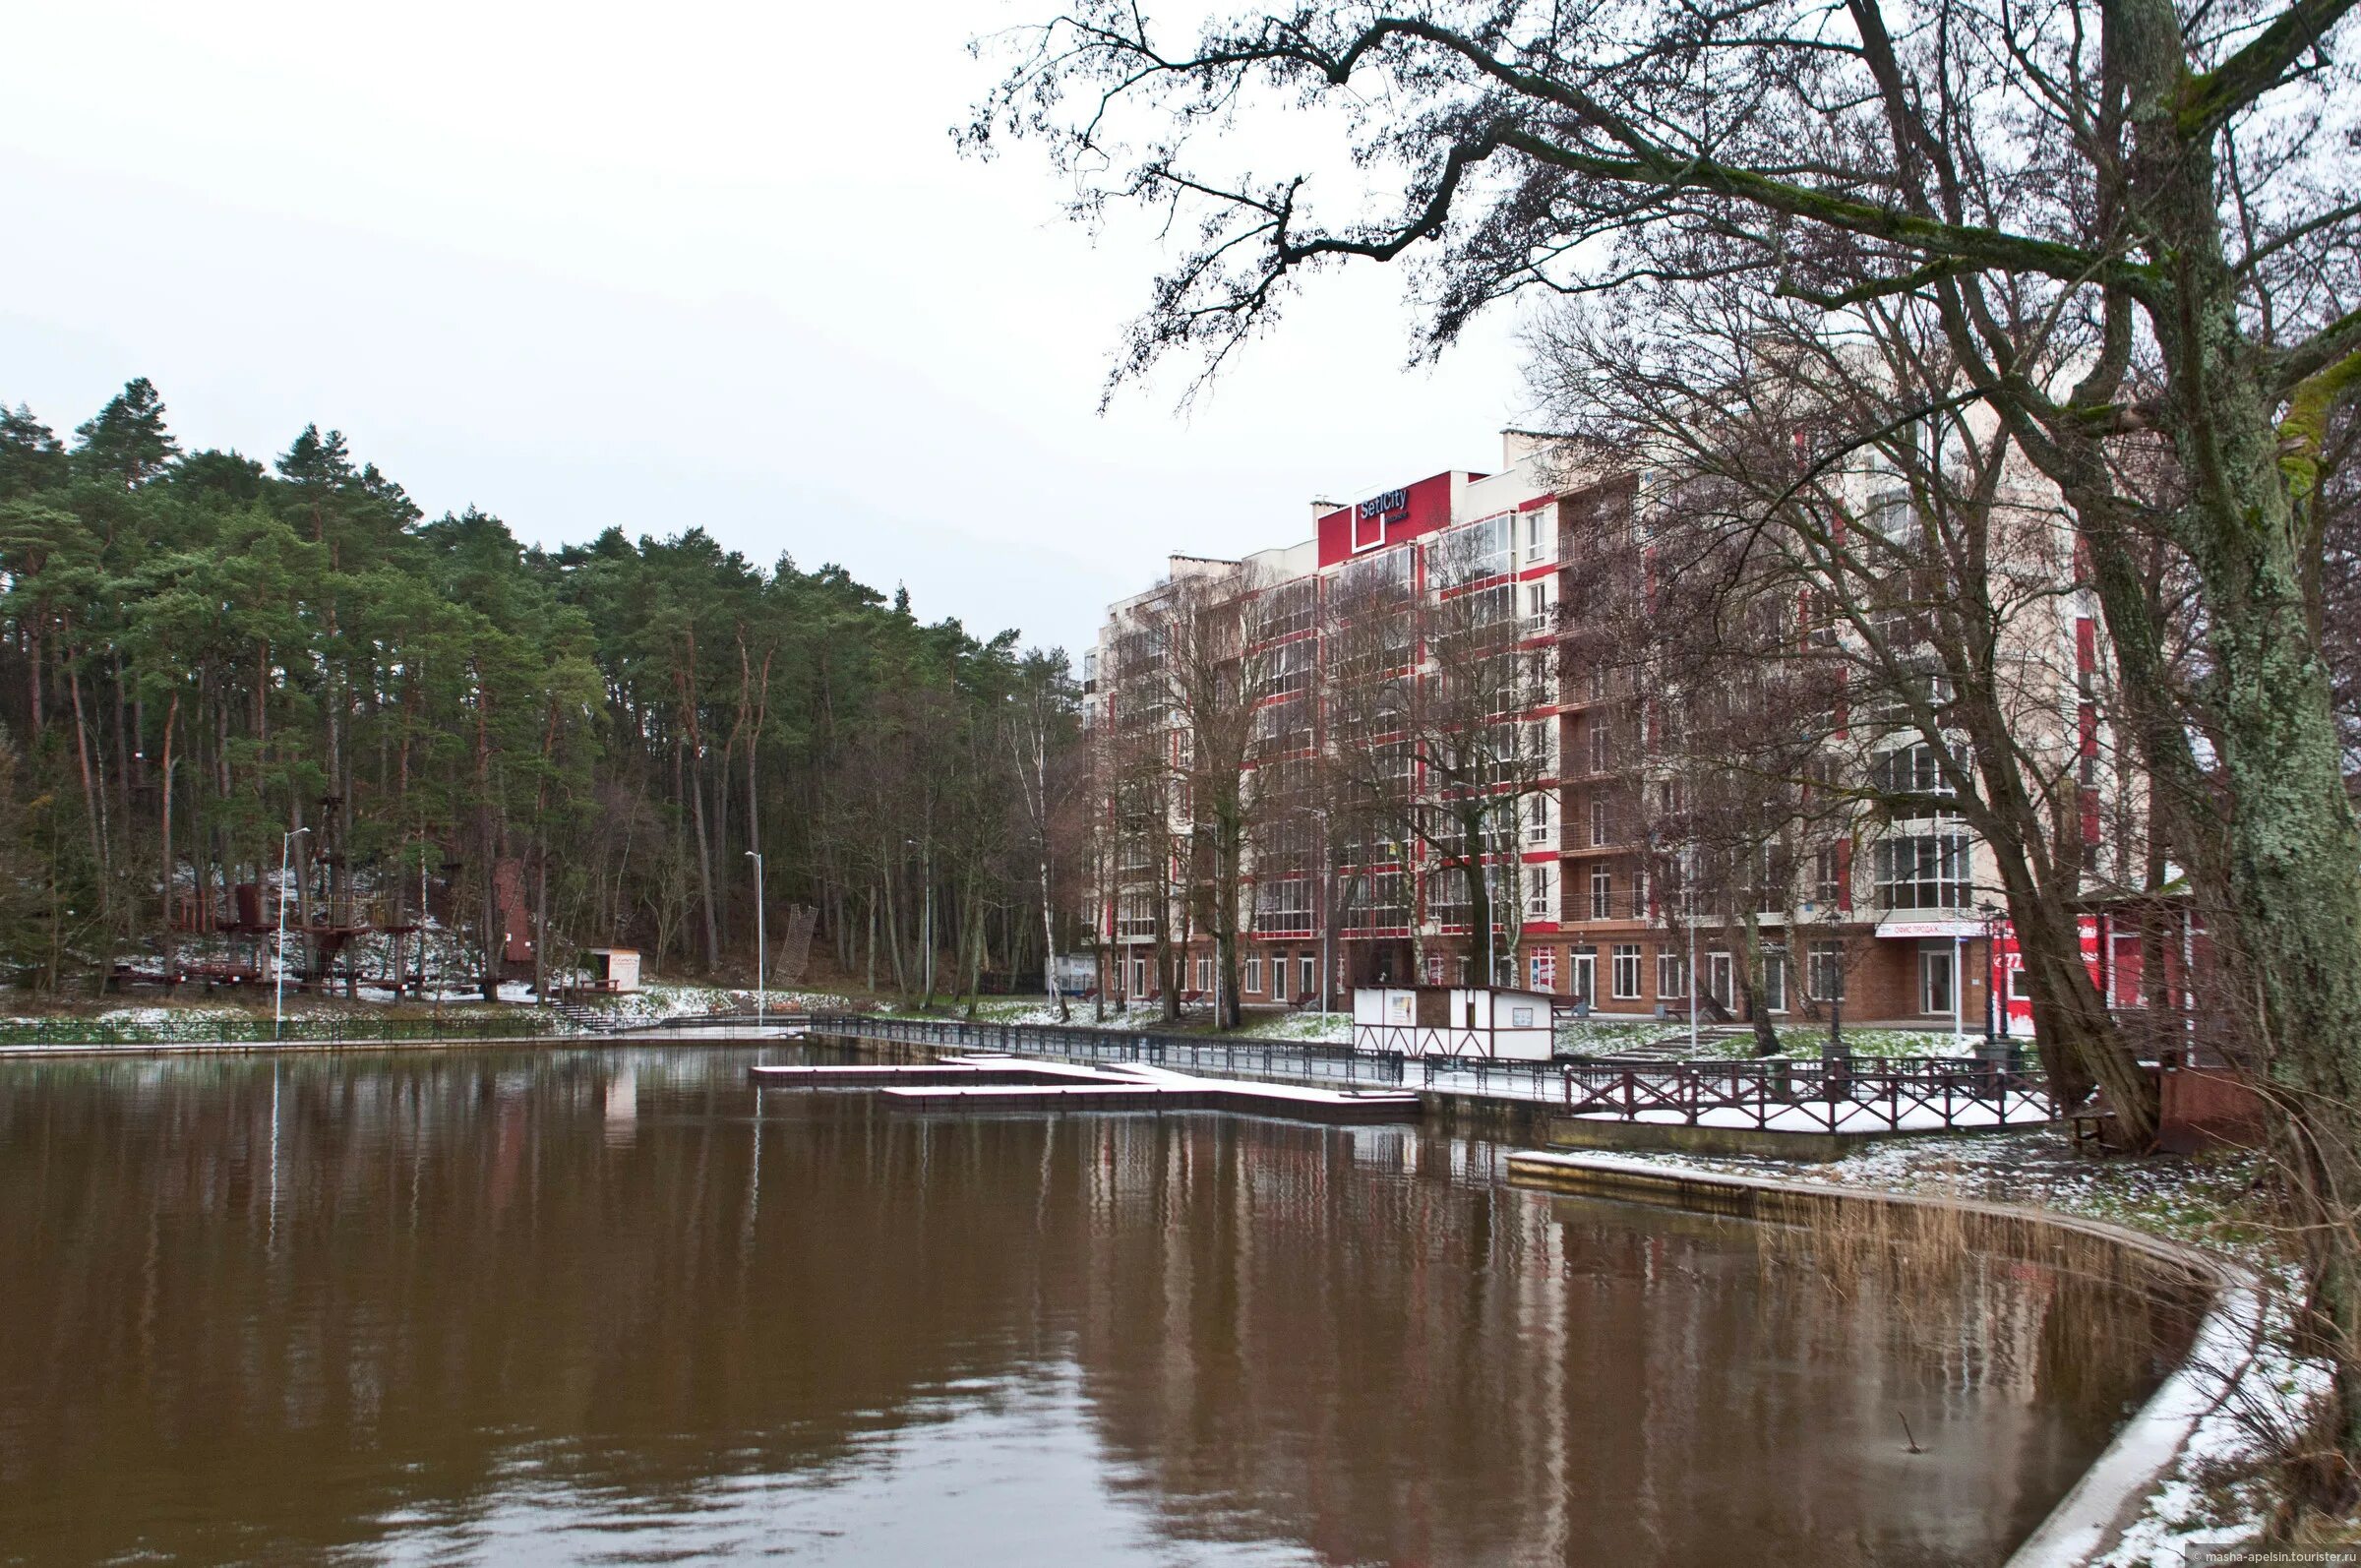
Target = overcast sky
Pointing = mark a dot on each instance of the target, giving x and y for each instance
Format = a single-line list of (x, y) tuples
[(711, 265)]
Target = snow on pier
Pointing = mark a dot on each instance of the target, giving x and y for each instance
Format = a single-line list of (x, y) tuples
[(1018, 1084)]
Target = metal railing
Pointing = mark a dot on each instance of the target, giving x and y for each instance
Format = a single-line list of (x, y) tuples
[(1833, 1096), (1839, 1096), (1275, 1061)]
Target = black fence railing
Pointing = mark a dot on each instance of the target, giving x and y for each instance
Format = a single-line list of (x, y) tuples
[(1840, 1095)]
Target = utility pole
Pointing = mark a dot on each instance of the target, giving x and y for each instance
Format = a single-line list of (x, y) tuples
[(279, 999)]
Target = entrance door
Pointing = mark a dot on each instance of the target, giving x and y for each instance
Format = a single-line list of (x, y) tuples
[(1585, 976), (1934, 980), (1721, 976), (1775, 983)]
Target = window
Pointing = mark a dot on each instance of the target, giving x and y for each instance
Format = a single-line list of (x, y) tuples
[(1540, 970), (1602, 893), (1284, 611), (1136, 915), (1540, 889), (1539, 812), (1540, 747), (1891, 516), (1205, 974), (1774, 994), (1825, 971), (1891, 703), (1481, 608), (1916, 769), (1541, 539), (1283, 907), (1307, 974), (1922, 871), (1828, 875), (1626, 974), (1254, 973), (1376, 576), (1598, 745), (1672, 975), (1376, 901), (1139, 977), (1447, 900), (1536, 608), (1284, 725), (1603, 822), (1473, 553), (1287, 668)]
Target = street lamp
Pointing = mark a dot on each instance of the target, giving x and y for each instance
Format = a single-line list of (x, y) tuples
[(279, 1000), (761, 942), (1996, 1016)]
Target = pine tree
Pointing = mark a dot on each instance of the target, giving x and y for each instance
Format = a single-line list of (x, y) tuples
[(32, 458), (126, 442)]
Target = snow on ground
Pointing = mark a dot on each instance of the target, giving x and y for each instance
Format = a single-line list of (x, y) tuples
[(656, 1000), (1807, 1042), (1611, 1037), (2213, 1494)]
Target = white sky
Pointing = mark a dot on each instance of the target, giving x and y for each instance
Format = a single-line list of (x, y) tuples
[(702, 263)]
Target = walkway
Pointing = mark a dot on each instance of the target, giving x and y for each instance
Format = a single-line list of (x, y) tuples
[(1893, 1095)]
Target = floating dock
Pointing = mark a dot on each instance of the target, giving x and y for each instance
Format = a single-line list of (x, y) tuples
[(968, 1084)]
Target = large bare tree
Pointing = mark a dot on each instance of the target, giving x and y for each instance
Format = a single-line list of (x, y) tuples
[(2146, 183), (1850, 565)]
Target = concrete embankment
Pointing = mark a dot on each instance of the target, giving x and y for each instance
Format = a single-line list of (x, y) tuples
[(2111, 1495)]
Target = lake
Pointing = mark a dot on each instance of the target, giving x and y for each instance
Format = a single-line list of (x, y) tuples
[(558, 1307)]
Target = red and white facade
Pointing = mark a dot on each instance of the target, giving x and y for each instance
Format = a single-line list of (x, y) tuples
[(1900, 934)]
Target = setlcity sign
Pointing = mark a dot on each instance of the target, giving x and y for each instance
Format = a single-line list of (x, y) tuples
[(1384, 505)]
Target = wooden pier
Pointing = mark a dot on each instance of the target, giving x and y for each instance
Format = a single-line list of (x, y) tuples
[(970, 1084)]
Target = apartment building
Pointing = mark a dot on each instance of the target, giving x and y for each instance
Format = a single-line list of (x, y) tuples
[(1890, 919)]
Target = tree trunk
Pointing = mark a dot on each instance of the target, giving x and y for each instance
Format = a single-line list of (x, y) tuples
[(164, 838)]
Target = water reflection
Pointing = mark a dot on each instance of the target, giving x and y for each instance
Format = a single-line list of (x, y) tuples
[(563, 1307)]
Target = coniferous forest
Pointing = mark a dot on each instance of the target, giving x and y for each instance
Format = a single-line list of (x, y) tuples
[(476, 758)]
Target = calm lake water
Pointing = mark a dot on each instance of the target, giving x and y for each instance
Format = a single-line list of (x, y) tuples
[(603, 1306)]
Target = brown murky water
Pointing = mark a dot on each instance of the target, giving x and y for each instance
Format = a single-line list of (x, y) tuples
[(537, 1309)]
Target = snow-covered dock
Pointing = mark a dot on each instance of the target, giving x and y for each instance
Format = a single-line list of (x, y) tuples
[(1016, 1084)]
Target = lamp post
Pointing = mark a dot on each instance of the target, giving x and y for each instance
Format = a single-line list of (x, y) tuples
[(1959, 989), (279, 999), (762, 943), (1996, 1017), (1688, 915)]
